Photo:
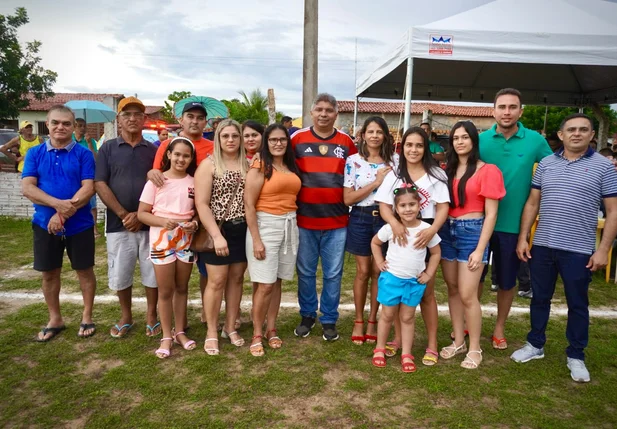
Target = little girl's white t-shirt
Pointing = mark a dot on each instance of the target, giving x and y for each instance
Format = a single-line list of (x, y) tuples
[(406, 262), (431, 190)]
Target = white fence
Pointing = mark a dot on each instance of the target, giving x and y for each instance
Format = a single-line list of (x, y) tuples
[(13, 203)]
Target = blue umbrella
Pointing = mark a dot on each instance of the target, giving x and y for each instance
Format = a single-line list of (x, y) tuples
[(93, 112), (215, 108)]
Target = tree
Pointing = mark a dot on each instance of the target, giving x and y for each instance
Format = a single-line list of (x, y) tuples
[(253, 106), (20, 69), (168, 111), (533, 117)]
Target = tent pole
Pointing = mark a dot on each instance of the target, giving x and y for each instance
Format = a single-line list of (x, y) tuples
[(409, 83), (355, 83), (355, 116)]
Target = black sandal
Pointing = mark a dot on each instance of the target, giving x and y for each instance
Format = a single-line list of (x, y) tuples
[(54, 332), (84, 327)]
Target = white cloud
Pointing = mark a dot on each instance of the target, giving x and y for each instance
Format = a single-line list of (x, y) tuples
[(155, 47)]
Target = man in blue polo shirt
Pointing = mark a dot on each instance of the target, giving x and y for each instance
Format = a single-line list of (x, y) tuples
[(58, 177), (567, 189), (514, 149)]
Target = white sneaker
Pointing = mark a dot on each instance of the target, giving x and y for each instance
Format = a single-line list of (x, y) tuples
[(525, 293), (578, 370), (527, 353)]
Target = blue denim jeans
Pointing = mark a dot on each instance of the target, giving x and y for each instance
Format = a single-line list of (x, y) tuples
[(544, 265), (330, 246)]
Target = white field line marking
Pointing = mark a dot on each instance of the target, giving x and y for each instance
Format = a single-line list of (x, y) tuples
[(488, 310)]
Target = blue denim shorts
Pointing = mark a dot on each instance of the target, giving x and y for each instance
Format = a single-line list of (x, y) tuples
[(459, 239), (201, 264), (393, 290), (364, 223)]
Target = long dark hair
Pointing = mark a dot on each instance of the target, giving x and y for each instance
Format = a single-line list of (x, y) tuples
[(452, 161), (428, 163), (289, 159), (404, 190), (385, 151), (180, 140)]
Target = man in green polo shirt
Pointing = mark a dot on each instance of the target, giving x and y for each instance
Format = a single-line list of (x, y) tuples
[(436, 150), (514, 150)]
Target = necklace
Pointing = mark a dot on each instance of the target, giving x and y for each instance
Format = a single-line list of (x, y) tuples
[(281, 169)]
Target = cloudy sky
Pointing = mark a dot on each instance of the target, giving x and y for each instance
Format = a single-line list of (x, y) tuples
[(215, 48)]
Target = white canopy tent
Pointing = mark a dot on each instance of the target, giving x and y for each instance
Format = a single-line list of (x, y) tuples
[(556, 52)]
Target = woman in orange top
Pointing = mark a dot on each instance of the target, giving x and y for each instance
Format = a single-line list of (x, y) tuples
[(272, 186)]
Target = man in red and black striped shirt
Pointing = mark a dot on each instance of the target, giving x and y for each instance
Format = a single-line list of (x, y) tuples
[(320, 152)]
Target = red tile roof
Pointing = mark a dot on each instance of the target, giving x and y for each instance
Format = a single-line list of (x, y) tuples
[(63, 97), (347, 106), (153, 109)]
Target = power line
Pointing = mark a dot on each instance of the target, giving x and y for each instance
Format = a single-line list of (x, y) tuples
[(217, 57)]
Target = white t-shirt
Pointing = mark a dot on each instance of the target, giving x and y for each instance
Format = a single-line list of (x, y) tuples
[(360, 173), (406, 262), (431, 190)]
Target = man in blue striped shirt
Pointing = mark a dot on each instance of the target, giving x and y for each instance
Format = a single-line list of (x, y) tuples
[(567, 189)]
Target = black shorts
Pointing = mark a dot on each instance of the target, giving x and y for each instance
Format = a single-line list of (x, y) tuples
[(505, 261), (49, 249), (235, 234)]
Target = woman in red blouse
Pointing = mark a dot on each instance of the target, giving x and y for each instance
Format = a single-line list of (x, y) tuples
[(475, 190)]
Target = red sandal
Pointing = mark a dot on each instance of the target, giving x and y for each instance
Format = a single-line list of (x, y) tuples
[(499, 343), (408, 366), (379, 361), (358, 339), (371, 338)]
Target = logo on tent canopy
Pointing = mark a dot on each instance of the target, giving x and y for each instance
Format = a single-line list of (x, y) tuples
[(440, 44)]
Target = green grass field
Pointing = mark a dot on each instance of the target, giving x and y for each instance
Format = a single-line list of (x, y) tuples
[(103, 382), (16, 274)]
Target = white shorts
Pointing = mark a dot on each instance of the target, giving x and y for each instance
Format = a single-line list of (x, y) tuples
[(280, 236), (123, 250)]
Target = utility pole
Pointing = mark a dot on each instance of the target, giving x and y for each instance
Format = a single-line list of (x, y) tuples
[(309, 65), (271, 107)]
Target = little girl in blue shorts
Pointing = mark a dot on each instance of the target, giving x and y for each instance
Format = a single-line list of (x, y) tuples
[(404, 275)]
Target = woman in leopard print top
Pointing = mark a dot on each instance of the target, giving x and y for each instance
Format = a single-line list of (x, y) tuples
[(216, 180)]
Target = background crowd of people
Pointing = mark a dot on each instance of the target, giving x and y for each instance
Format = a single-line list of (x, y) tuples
[(279, 203)]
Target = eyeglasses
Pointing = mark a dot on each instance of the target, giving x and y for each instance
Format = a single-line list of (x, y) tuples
[(274, 141), (135, 115)]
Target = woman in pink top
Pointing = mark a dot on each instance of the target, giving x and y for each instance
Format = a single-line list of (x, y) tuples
[(475, 190), (170, 213)]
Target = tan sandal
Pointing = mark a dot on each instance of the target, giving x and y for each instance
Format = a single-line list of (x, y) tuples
[(212, 351), (469, 363), (274, 341), (238, 342), (257, 349), (448, 352)]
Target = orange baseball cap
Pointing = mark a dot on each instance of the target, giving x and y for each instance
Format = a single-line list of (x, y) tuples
[(127, 101)]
